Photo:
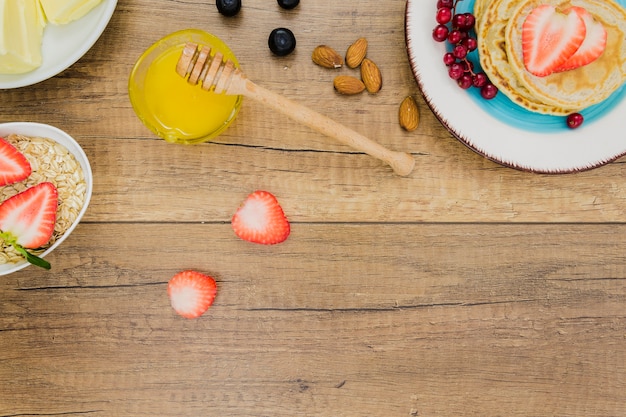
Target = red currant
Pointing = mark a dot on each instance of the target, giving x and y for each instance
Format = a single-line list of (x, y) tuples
[(470, 43), (459, 51), (465, 81), (444, 15), (480, 79), (456, 29), (488, 91), (458, 21), (456, 71), (440, 33), (455, 37), (449, 59), (470, 20), (574, 120)]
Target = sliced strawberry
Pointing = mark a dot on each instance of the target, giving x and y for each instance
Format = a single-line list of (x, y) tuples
[(550, 38), (14, 167), (191, 293), (260, 219), (592, 47), (30, 215)]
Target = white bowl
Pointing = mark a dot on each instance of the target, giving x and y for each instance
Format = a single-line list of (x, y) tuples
[(53, 133), (63, 45)]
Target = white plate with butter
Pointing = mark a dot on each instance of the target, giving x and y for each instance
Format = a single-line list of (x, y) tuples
[(63, 45)]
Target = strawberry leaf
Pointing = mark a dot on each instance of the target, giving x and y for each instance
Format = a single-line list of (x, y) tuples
[(33, 259), (9, 239)]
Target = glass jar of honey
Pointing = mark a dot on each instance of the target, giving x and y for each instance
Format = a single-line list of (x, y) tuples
[(167, 104)]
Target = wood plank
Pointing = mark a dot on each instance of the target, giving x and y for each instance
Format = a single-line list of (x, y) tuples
[(486, 320), (132, 182), (466, 289), (316, 178)]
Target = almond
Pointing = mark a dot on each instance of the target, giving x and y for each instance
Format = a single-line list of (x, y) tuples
[(347, 84), (326, 57), (370, 74), (356, 52), (408, 115)]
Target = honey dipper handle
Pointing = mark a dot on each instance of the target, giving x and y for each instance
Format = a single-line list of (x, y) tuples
[(402, 163)]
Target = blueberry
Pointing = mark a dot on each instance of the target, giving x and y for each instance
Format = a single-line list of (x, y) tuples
[(228, 7), (282, 41), (288, 4)]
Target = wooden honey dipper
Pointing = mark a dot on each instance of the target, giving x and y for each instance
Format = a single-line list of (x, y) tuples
[(197, 65)]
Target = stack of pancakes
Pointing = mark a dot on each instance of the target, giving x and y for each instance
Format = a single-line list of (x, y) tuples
[(499, 33)]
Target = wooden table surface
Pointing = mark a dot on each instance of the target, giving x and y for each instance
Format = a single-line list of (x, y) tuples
[(464, 289)]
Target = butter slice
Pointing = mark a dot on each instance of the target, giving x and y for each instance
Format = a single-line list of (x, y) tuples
[(21, 33), (60, 12)]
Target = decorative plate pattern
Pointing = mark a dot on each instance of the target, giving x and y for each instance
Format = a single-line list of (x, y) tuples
[(501, 130)]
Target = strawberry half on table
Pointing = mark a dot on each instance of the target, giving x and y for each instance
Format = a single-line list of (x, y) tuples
[(191, 293), (27, 220), (260, 219), (14, 167)]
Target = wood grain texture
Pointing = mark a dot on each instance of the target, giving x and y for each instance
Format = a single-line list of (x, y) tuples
[(465, 289), (340, 320), (263, 149)]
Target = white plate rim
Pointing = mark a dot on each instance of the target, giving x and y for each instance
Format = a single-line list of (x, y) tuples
[(64, 45), (58, 135), (563, 152)]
